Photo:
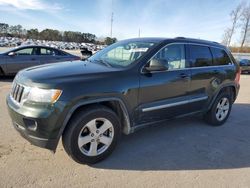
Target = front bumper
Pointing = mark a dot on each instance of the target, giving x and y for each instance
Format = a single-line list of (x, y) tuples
[(39, 125)]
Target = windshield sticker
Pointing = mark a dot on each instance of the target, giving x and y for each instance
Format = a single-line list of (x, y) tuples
[(138, 50)]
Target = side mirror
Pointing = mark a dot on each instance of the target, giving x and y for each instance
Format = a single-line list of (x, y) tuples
[(157, 65), (86, 54), (11, 54)]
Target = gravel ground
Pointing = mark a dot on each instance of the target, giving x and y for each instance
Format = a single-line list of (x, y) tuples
[(181, 153)]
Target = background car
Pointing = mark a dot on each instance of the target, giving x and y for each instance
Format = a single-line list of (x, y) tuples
[(245, 65), (26, 56)]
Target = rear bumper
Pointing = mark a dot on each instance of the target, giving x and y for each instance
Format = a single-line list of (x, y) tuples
[(37, 125), (245, 69), (237, 91)]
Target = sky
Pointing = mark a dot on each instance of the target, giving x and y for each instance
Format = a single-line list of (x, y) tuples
[(205, 19)]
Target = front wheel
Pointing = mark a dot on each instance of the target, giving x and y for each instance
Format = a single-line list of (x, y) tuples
[(220, 110), (92, 134)]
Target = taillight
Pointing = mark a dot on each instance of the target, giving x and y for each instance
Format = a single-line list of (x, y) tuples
[(237, 78)]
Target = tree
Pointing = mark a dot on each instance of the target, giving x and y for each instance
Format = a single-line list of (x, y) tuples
[(109, 40), (15, 30), (4, 28), (226, 36), (32, 34), (50, 34), (235, 16), (245, 24)]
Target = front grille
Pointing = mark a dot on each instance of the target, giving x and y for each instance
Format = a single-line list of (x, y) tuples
[(17, 92)]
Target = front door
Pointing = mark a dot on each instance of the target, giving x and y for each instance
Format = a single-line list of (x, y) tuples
[(23, 58), (164, 94)]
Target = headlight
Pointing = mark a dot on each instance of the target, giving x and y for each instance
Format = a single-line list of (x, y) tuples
[(41, 95)]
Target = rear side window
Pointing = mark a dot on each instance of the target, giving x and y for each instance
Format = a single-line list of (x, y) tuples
[(220, 57), (47, 51), (200, 56)]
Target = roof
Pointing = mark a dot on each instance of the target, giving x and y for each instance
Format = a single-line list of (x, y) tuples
[(34, 45)]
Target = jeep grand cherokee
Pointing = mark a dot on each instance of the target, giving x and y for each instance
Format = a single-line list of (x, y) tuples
[(126, 86)]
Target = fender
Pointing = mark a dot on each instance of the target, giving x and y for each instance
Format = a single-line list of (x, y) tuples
[(127, 125), (219, 90)]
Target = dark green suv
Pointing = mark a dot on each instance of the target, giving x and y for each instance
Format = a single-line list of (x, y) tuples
[(126, 86)]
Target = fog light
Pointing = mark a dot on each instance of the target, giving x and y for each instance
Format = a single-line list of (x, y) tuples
[(18, 126), (30, 124)]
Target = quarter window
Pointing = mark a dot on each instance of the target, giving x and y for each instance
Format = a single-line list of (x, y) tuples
[(174, 54), (200, 56), (220, 57)]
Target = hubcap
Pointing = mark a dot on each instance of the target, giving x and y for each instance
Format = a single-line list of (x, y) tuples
[(96, 137), (222, 109)]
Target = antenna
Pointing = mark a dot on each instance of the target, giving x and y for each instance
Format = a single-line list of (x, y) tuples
[(112, 19)]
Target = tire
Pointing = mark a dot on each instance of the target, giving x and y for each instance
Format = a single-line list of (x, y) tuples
[(84, 138), (213, 116), (1, 72)]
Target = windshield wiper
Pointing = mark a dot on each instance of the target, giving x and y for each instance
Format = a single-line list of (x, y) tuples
[(103, 62)]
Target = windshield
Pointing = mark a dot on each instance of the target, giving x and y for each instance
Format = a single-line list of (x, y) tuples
[(122, 53)]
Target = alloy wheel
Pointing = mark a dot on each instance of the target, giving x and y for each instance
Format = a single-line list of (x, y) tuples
[(95, 137), (222, 109)]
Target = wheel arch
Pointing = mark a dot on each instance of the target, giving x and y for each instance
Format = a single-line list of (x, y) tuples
[(116, 104), (225, 88)]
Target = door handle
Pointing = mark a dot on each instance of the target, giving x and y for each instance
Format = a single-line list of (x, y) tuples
[(216, 71), (183, 75)]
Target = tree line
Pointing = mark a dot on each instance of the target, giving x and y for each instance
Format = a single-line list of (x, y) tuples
[(51, 34), (240, 22)]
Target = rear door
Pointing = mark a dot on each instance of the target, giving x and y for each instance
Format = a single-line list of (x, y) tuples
[(204, 76), (23, 58), (164, 94), (48, 55), (63, 56)]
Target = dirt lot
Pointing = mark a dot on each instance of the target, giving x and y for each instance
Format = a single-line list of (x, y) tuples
[(180, 153)]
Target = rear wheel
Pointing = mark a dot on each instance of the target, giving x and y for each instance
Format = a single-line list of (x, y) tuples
[(220, 110), (92, 135)]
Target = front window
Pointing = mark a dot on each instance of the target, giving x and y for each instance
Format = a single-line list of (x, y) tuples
[(122, 54), (174, 56), (26, 51)]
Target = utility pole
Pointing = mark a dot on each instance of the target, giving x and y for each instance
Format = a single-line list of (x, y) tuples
[(139, 34), (112, 19)]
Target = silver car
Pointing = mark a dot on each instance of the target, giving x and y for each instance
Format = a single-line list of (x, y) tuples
[(26, 56)]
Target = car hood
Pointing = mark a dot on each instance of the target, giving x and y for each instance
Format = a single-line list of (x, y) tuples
[(56, 73)]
